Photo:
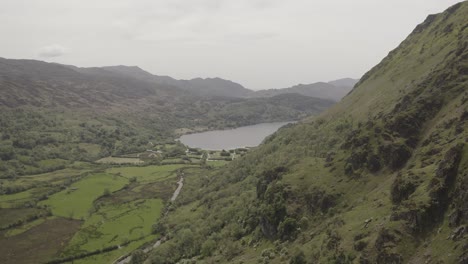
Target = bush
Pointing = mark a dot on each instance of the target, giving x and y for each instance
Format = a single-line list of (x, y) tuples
[(138, 257), (288, 228), (208, 247), (298, 258)]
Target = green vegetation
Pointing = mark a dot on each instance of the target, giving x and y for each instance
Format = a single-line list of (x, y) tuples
[(77, 200), (118, 207), (147, 173), (115, 160), (115, 225), (379, 178)]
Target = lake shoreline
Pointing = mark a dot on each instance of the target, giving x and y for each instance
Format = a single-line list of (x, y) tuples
[(227, 139)]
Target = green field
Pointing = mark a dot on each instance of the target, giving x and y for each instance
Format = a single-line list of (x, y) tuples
[(14, 200), (57, 177), (77, 200), (117, 160), (114, 225), (24, 228), (116, 206), (148, 173), (110, 257)]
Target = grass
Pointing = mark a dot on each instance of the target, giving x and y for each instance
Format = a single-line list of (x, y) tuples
[(24, 228), (217, 163), (148, 173), (115, 160), (172, 161), (11, 216), (52, 163), (58, 177), (77, 203), (38, 244), (110, 257), (15, 200), (91, 149), (116, 224)]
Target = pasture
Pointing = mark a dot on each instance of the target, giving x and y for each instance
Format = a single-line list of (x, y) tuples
[(115, 225), (77, 200)]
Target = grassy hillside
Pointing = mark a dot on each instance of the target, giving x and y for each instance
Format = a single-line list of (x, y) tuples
[(382, 177)]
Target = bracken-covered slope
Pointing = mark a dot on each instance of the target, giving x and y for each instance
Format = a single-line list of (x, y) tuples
[(382, 177)]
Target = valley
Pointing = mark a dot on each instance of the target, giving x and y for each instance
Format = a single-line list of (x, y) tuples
[(118, 165)]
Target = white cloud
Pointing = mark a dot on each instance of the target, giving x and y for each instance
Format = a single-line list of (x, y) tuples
[(51, 51)]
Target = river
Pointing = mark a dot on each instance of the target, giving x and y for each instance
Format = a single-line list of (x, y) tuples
[(246, 136)]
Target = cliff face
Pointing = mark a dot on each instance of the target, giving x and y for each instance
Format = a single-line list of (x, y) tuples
[(382, 177)]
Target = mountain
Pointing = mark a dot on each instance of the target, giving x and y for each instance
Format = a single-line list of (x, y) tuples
[(116, 111), (205, 87), (381, 177), (344, 82), (334, 90)]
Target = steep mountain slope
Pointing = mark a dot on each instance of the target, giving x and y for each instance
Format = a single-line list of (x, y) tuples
[(381, 177), (334, 90)]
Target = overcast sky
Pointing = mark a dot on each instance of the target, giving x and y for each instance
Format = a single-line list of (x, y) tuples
[(257, 43)]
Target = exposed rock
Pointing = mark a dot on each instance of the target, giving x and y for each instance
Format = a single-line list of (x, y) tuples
[(458, 233)]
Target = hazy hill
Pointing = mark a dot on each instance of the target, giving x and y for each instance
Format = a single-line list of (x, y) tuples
[(345, 82), (205, 87), (334, 90), (381, 177)]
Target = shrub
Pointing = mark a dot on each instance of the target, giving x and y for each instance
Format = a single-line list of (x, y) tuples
[(208, 247), (298, 258)]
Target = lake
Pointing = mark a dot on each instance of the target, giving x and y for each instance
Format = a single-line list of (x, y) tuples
[(247, 136)]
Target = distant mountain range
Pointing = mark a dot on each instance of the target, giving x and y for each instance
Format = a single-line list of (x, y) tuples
[(333, 90), (207, 87), (117, 90)]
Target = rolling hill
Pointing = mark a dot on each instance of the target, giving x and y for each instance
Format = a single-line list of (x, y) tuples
[(206, 87)]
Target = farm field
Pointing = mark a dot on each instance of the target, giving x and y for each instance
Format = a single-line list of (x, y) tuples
[(148, 173), (110, 209), (102, 210), (115, 225), (76, 201), (38, 244), (117, 160)]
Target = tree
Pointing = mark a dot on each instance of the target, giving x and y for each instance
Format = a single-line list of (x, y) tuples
[(208, 247), (288, 228), (298, 258), (138, 257)]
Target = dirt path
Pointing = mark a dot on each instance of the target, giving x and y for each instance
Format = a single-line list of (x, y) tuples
[(179, 188), (127, 259)]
